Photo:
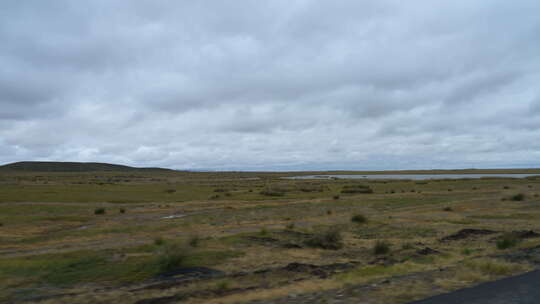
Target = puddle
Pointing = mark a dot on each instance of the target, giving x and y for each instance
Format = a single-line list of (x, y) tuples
[(173, 216)]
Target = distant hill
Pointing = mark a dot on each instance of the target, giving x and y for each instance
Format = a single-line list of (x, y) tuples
[(46, 166)]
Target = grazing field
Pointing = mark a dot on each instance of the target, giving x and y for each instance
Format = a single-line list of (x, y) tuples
[(167, 237)]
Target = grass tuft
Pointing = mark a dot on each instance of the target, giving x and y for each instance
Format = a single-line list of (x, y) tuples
[(381, 247), (328, 239), (359, 218)]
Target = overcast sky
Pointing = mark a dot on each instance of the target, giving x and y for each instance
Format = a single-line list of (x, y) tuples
[(273, 85)]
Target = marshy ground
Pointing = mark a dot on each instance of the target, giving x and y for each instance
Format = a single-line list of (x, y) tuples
[(168, 237)]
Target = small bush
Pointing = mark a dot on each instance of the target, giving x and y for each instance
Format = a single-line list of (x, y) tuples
[(99, 211), (329, 239), (1, 224), (172, 257), (381, 247), (159, 241), (170, 191), (194, 241), (336, 197), (358, 218), (506, 187), (122, 210), (263, 231), (213, 197), (518, 197), (449, 190), (466, 251), (290, 226), (507, 241), (329, 212), (448, 209), (222, 285)]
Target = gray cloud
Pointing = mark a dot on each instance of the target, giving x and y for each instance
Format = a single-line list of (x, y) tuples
[(276, 85)]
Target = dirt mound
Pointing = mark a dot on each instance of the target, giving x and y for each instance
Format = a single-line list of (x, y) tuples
[(466, 233)]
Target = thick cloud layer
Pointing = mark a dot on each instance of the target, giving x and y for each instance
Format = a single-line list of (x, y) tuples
[(272, 85)]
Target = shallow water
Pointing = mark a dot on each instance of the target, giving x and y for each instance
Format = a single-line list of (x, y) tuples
[(415, 176)]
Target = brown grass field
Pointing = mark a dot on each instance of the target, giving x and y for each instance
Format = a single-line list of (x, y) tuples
[(237, 237)]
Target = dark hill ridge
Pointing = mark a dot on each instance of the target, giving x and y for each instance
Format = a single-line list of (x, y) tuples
[(46, 166)]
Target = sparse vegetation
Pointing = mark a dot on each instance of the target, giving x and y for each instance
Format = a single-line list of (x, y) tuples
[(158, 241), (508, 240), (53, 244), (381, 247), (358, 188), (518, 197), (194, 241), (171, 257), (359, 219), (328, 239)]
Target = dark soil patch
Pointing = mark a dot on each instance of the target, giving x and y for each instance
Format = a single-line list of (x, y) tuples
[(517, 235), (427, 251), (467, 233)]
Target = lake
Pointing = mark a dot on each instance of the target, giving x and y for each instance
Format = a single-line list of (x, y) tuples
[(415, 176)]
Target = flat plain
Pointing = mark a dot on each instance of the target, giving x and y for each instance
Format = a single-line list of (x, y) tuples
[(237, 237)]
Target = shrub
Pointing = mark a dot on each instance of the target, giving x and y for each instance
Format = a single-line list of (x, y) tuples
[(222, 285), (213, 197), (407, 246), (170, 191), (329, 212), (507, 241), (290, 226), (336, 197), (358, 218), (122, 210), (518, 197), (448, 209), (159, 241), (263, 231), (1, 224), (194, 241), (506, 187), (466, 251), (381, 247), (328, 239), (99, 211), (171, 257)]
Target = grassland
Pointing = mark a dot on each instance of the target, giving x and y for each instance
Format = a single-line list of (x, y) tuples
[(233, 237)]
